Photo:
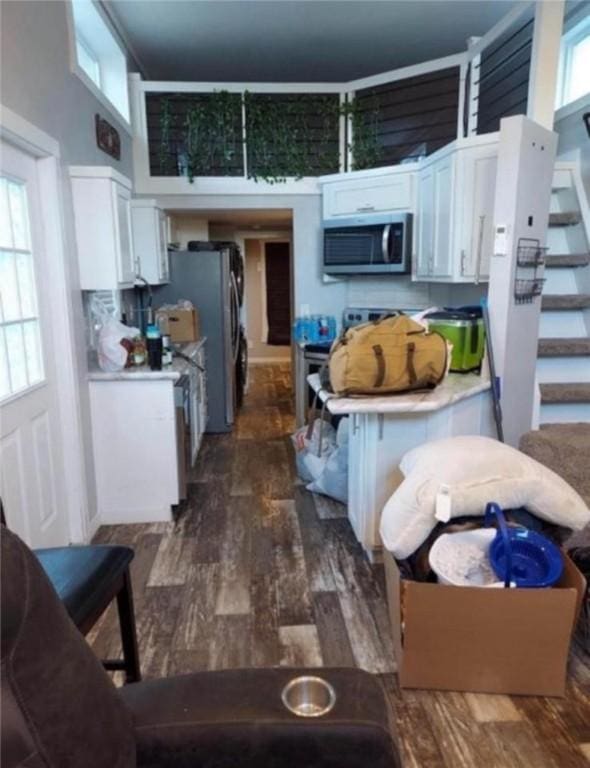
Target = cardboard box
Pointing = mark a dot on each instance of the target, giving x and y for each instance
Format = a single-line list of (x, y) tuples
[(484, 640), (181, 324)]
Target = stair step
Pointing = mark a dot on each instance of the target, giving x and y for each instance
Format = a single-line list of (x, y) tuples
[(567, 260), (566, 219), (565, 301), (574, 392), (564, 347)]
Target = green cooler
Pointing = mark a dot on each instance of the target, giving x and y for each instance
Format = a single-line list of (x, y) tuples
[(465, 331)]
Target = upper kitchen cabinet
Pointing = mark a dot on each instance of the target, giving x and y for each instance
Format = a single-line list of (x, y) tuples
[(101, 198), (377, 191), (455, 224), (150, 241)]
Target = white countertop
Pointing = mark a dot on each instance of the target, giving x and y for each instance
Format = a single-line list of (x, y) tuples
[(455, 387), (171, 372)]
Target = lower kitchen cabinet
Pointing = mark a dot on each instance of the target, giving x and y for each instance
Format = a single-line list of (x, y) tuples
[(139, 438), (377, 443), (135, 449)]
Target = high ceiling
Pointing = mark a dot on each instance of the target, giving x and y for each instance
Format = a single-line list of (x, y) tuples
[(296, 40)]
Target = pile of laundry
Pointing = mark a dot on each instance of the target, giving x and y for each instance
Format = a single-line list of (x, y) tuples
[(321, 454)]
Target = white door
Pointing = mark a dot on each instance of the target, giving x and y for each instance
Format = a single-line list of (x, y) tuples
[(32, 483)]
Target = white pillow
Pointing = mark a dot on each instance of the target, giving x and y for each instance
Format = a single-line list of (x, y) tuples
[(477, 470)]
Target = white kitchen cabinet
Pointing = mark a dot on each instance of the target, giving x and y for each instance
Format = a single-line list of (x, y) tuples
[(135, 448), (434, 219), (456, 211), (475, 220), (377, 191), (150, 239), (378, 442), (101, 198)]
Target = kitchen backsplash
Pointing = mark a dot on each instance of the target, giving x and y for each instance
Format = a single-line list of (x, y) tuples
[(401, 292)]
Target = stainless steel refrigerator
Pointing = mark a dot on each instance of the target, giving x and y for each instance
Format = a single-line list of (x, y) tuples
[(208, 279)]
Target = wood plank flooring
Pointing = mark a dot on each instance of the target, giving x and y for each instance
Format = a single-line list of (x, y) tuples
[(256, 571)]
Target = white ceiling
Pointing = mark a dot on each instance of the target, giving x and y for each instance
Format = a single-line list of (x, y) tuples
[(296, 40)]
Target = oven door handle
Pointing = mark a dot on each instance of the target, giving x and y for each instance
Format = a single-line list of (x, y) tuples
[(385, 243)]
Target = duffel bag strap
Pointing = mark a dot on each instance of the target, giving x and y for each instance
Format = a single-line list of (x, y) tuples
[(410, 364), (378, 350)]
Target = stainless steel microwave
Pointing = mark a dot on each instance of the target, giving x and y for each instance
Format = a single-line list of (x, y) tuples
[(368, 244)]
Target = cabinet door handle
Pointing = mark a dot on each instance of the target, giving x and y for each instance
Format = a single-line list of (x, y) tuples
[(479, 249), (463, 257), (366, 208)]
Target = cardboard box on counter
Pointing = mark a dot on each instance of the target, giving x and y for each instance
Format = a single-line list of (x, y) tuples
[(182, 325), (483, 640)]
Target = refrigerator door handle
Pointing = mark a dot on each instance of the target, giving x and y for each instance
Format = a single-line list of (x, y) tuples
[(235, 331)]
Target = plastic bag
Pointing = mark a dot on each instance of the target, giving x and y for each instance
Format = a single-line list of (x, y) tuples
[(333, 479), (312, 454), (112, 355)]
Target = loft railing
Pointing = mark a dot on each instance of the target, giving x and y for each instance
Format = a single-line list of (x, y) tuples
[(270, 132)]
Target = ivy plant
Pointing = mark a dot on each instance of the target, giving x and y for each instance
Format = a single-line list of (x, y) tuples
[(287, 135)]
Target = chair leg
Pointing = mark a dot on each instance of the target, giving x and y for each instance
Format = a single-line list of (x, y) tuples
[(128, 634)]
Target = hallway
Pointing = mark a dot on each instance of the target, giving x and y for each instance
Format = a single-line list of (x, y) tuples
[(256, 571)]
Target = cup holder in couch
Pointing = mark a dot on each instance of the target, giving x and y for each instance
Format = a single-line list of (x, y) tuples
[(309, 696)]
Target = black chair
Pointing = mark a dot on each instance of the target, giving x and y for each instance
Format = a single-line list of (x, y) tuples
[(87, 579), (60, 709)]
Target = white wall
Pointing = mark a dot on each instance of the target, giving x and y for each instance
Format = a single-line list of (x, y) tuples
[(185, 228), (36, 83)]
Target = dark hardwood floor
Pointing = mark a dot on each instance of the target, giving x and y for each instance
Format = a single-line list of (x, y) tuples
[(256, 571)]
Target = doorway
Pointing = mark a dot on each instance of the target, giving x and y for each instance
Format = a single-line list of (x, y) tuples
[(32, 478), (268, 299)]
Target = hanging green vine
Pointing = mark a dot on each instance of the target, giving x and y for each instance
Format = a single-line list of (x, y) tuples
[(288, 136), (365, 147)]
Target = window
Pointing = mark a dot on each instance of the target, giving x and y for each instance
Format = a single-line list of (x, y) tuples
[(99, 61), (87, 60), (21, 359), (574, 79)]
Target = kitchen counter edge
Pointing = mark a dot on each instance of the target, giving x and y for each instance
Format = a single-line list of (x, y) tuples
[(144, 373)]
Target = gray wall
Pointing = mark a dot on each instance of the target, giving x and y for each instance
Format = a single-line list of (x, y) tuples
[(308, 286), (37, 84)]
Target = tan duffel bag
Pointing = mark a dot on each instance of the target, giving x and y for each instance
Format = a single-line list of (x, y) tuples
[(393, 354)]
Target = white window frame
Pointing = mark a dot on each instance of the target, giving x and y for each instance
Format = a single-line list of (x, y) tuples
[(75, 35), (20, 321), (579, 30), (81, 43)]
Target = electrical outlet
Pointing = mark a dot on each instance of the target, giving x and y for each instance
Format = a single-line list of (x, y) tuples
[(250, 344), (304, 311)]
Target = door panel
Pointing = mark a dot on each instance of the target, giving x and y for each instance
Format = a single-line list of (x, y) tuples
[(32, 482)]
